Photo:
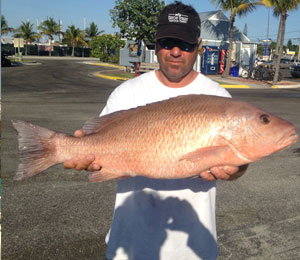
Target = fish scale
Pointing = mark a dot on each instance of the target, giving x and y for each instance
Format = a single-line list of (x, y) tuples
[(175, 138)]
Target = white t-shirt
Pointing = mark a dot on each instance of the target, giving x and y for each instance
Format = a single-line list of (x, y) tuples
[(162, 219)]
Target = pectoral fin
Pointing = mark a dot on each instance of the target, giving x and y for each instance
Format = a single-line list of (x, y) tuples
[(207, 153), (105, 175)]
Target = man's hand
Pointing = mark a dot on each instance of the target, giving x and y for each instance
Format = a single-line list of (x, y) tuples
[(224, 173), (82, 163)]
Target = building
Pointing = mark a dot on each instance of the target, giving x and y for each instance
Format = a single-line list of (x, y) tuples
[(214, 32), (215, 28)]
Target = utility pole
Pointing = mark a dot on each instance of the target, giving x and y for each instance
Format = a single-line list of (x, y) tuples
[(268, 24), (298, 47), (37, 25), (84, 23), (38, 40), (60, 28), (267, 50), (298, 58), (84, 33), (299, 50)]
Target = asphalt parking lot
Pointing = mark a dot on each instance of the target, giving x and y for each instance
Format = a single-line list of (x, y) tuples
[(59, 215)]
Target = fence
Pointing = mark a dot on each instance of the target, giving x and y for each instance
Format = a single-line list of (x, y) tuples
[(57, 50)]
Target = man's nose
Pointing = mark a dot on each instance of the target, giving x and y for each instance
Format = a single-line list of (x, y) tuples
[(175, 51)]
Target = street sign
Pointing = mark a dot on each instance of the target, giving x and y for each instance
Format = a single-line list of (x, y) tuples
[(18, 42)]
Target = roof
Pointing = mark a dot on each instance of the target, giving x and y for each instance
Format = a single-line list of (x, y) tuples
[(215, 26)]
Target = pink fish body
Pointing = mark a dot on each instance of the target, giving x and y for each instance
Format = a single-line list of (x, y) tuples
[(175, 138)]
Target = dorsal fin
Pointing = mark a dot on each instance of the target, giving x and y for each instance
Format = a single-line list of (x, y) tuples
[(94, 125)]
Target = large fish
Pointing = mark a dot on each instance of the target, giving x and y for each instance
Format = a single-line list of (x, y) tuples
[(175, 138)]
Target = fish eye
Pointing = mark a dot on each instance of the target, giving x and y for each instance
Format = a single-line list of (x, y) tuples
[(265, 119)]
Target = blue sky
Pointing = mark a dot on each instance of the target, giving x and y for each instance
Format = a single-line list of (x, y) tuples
[(74, 11)]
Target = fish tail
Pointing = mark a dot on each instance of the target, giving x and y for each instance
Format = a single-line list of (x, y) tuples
[(36, 149)]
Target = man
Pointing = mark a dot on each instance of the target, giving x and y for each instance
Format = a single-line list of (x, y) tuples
[(165, 219)]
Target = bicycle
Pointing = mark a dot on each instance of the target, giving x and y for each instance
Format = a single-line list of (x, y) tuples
[(245, 71), (265, 72)]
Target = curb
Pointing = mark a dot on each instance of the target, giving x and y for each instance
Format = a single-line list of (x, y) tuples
[(104, 64), (91, 59), (109, 77), (222, 85), (286, 86), (234, 86), (124, 79), (31, 63)]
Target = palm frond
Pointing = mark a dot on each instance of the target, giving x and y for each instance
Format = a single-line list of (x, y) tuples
[(26, 31), (244, 8), (4, 26)]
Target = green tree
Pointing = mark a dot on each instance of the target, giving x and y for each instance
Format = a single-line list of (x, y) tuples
[(235, 7), (273, 45), (297, 49), (137, 19), (50, 28), (26, 32), (4, 27), (73, 37), (260, 49), (281, 9), (106, 47), (289, 45), (93, 31)]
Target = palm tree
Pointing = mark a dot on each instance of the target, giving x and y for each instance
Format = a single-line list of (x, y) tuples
[(50, 28), (4, 27), (281, 8), (26, 32), (235, 7), (74, 36), (92, 31)]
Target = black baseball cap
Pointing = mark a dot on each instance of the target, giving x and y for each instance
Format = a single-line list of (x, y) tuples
[(181, 24)]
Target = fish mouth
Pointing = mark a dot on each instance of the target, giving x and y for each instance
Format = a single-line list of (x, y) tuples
[(289, 138)]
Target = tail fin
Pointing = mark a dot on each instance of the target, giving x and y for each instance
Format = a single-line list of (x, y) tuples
[(36, 151)]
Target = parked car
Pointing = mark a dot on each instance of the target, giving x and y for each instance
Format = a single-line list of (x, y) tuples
[(259, 61), (267, 63), (295, 71), (296, 62), (5, 62), (285, 63)]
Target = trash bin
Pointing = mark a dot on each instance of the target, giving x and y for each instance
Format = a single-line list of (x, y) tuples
[(234, 71)]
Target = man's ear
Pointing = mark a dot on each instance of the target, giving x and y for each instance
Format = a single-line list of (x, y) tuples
[(199, 43), (156, 48)]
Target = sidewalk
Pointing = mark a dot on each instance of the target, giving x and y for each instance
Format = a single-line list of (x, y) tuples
[(29, 57), (238, 82)]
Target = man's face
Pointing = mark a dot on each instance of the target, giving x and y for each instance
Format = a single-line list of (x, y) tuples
[(176, 58)]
